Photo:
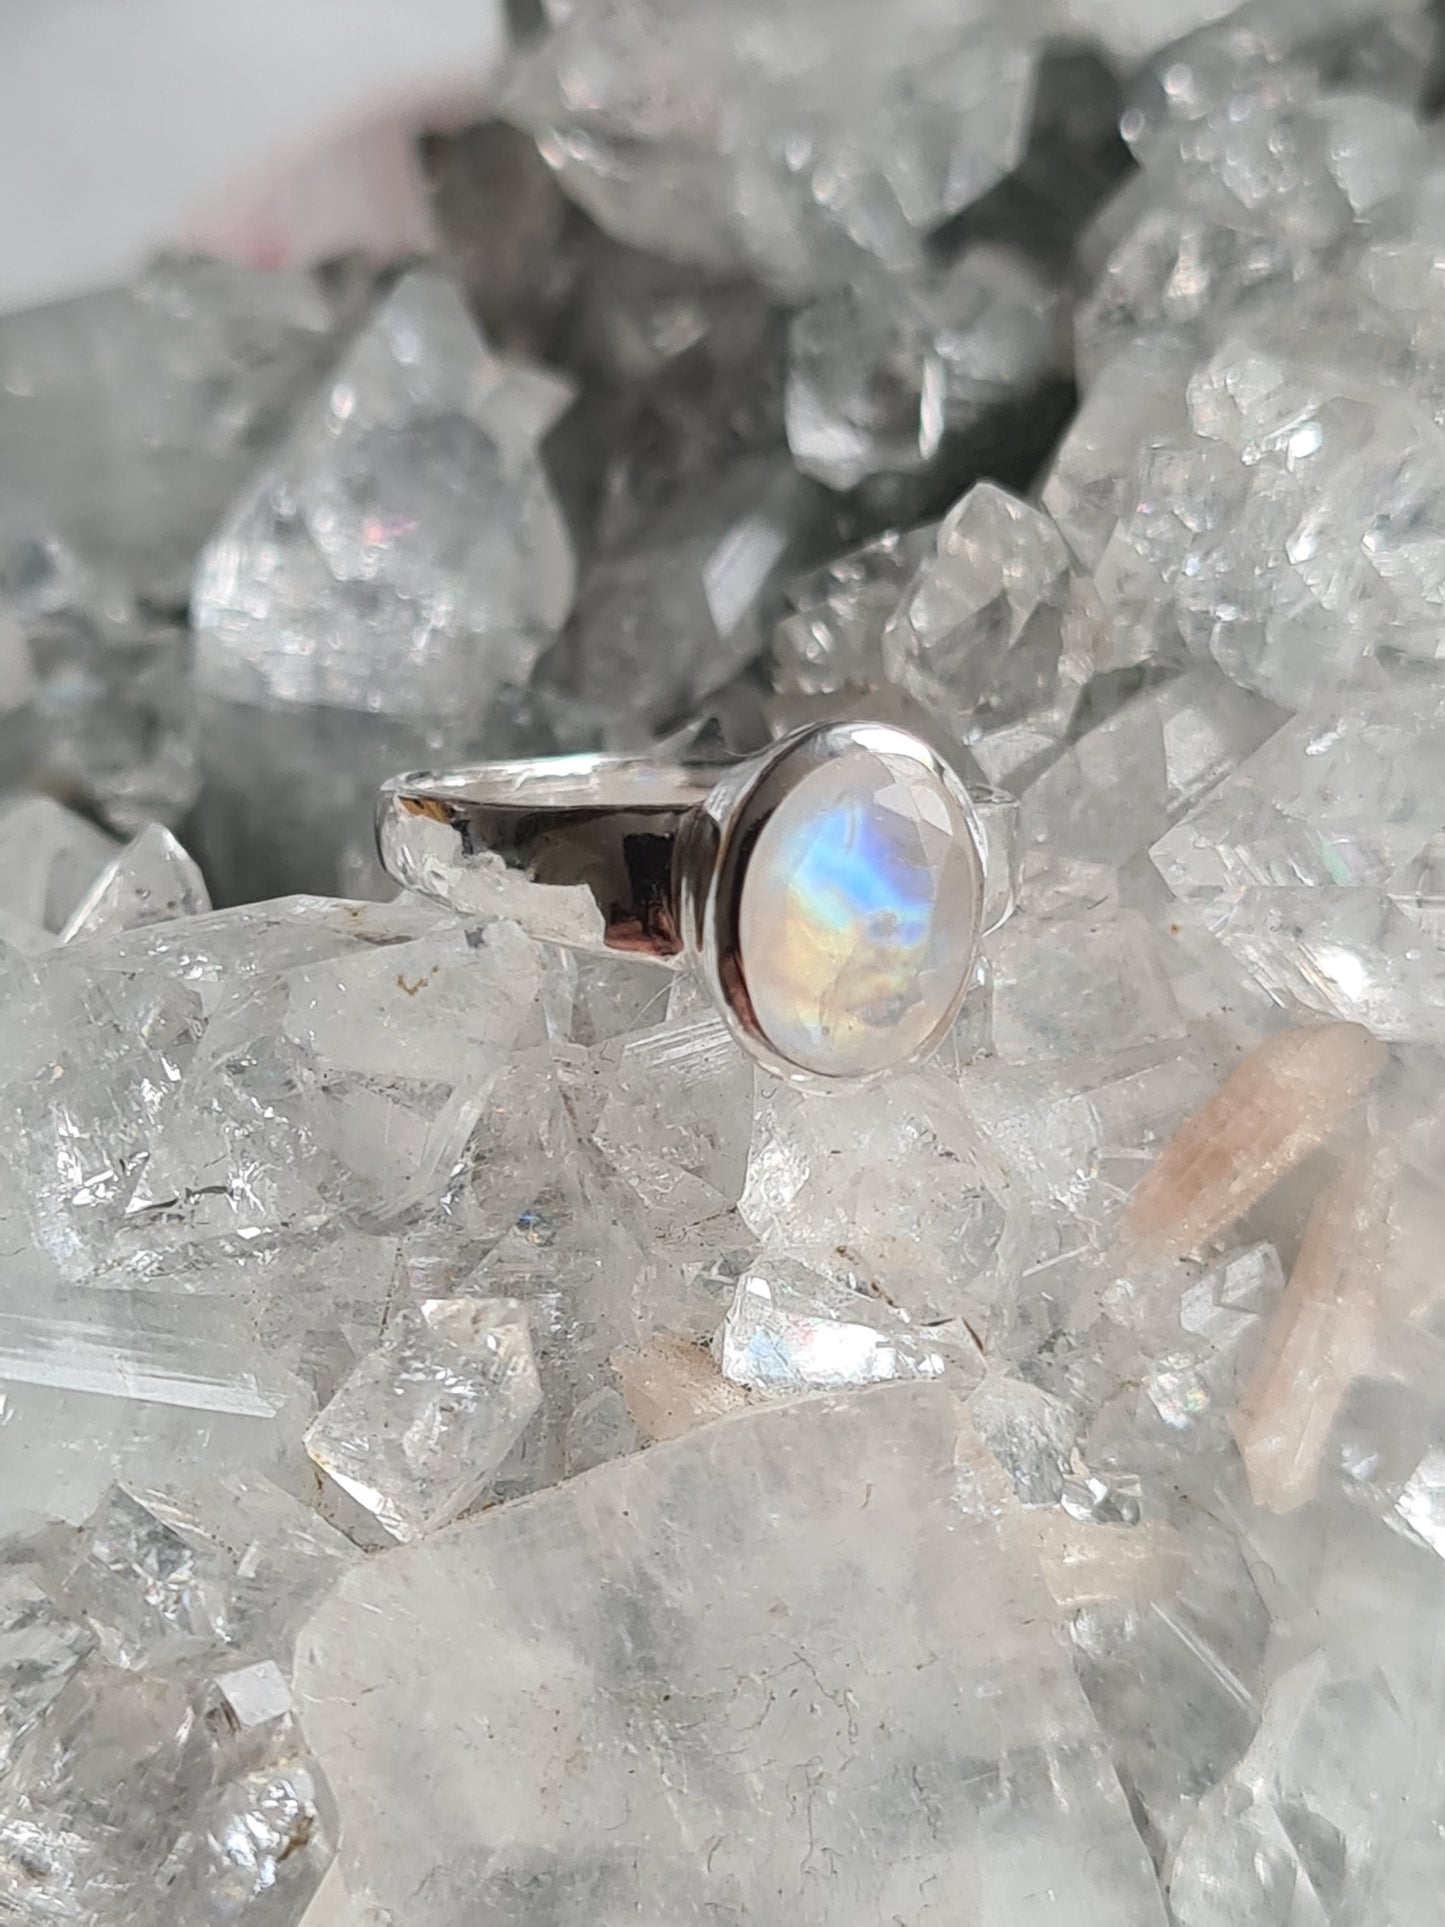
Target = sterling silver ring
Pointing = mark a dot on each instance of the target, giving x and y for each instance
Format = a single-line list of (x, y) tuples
[(830, 890)]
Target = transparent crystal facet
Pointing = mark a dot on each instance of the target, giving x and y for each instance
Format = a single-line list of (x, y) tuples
[(979, 637), (363, 570), (789, 1330), (425, 1421)]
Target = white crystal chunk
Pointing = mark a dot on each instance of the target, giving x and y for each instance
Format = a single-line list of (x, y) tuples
[(504, 1744)]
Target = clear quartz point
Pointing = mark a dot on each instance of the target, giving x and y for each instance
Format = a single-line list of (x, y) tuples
[(423, 1422)]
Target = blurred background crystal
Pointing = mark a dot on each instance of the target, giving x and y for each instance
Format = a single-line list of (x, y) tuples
[(468, 1443), (786, 144)]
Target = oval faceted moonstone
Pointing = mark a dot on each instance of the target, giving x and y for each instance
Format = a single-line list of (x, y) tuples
[(859, 915)]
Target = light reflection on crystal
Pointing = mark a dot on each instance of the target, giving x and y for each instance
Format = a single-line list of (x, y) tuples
[(789, 1330)]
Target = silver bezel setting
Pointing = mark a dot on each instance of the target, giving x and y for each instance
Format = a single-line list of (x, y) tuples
[(716, 848)]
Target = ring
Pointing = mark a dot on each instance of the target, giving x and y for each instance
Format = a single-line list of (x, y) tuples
[(828, 890)]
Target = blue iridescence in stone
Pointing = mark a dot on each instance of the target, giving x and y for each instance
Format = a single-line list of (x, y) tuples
[(859, 915)]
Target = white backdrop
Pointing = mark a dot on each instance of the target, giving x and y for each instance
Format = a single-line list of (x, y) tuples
[(269, 129)]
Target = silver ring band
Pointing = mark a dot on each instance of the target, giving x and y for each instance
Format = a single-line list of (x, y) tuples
[(830, 889), (582, 850)]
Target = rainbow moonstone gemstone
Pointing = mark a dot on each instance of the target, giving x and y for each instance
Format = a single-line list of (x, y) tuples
[(858, 917)]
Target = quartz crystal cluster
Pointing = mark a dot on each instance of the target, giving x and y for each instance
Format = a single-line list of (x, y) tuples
[(475, 1449), (128, 419), (796, 142)]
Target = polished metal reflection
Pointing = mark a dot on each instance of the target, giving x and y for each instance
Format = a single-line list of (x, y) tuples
[(599, 828), (651, 859)]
